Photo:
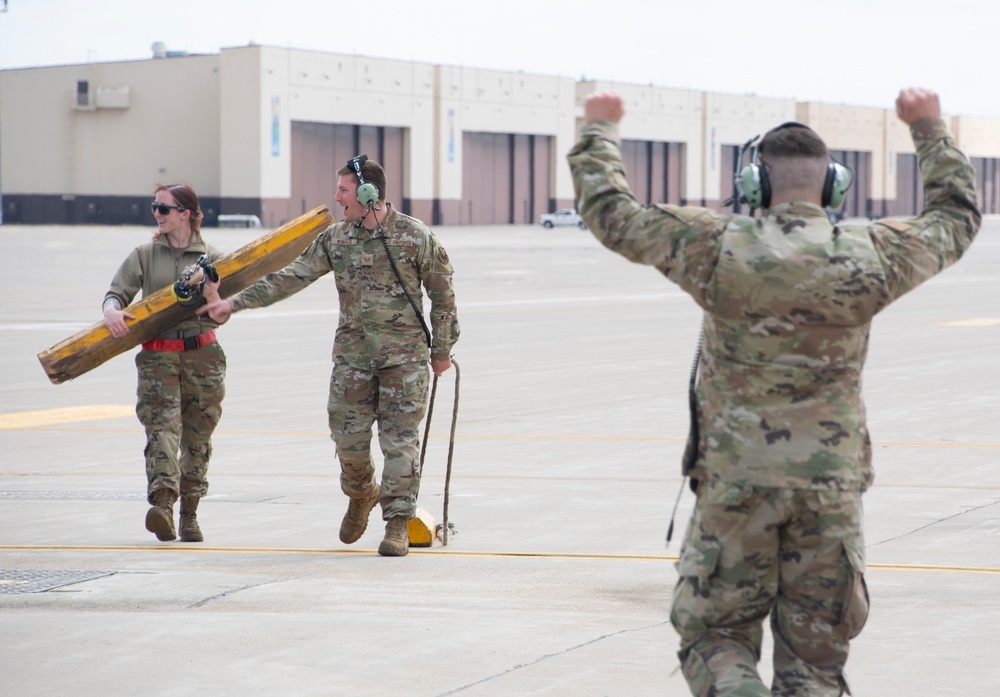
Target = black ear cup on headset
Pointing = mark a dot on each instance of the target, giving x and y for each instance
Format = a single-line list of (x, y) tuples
[(367, 193)]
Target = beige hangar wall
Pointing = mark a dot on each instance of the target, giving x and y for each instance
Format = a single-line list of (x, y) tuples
[(222, 122), (978, 136), (657, 114), (147, 121), (733, 120), (341, 89), (241, 142), (861, 129), (36, 139), (491, 101), (704, 122)]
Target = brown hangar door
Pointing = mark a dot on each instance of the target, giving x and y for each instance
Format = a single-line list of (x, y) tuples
[(654, 170), (858, 203), (320, 149), (505, 178), (987, 183)]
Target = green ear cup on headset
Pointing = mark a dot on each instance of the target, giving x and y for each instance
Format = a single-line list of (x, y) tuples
[(367, 194), (756, 189), (754, 186), (838, 181)]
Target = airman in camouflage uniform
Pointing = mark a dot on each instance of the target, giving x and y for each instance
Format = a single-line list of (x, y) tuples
[(181, 372), (380, 352), (783, 452)]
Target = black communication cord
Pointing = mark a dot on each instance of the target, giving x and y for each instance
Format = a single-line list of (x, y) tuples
[(693, 432), (446, 527), (694, 435), (399, 277)]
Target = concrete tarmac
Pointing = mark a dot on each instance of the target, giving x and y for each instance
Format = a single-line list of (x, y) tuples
[(556, 579)]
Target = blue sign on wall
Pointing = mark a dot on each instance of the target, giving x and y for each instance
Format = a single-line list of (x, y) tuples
[(451, 135), (275, 126)]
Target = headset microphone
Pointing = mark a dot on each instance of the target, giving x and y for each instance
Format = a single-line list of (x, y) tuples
[(367, 193)]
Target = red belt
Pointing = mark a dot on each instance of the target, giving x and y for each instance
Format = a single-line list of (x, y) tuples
[(189, 344)]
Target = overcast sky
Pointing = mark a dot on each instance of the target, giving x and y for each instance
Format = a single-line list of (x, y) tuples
[(856, 52)]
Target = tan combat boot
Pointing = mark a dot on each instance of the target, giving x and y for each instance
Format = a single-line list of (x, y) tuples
[(356, 519), (160, 518), (190, 532), (397, 539)]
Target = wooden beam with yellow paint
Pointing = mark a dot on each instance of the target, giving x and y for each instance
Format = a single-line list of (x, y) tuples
[(421, 529), (159, 311)]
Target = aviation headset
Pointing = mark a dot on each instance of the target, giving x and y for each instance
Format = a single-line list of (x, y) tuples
[(754, 188), (367, 193)]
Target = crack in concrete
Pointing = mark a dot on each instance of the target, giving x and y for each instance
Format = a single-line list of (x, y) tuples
[(546, 657), (935, 522), (231, 591)]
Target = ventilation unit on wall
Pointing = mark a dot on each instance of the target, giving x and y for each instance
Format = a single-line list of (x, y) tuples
[(89, 98)]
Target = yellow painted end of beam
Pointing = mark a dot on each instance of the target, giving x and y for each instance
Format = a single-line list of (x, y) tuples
[(421, 529)]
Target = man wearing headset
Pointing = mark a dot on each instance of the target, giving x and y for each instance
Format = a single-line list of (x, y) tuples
[(380, 258), (780, 452)]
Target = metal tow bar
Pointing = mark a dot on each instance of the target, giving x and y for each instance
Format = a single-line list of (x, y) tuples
[(445, 526)]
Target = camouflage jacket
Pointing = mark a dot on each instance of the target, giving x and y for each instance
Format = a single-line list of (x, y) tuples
[(788, 300), (155, 265), (378, 327)]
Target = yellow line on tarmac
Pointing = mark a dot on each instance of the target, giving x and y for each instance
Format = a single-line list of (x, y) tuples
[(417, 551), (975, 322), (925, 444), (203, 549), (64, 415), (37, 420), (923, 567), (441, 436), (335, 474)]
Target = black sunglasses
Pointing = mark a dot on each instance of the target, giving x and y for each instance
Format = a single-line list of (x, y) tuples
[(163, 208)]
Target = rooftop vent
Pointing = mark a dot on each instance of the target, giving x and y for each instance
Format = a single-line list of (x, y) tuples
[(160, 51)]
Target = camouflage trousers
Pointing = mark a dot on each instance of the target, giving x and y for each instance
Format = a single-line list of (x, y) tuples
[(750, 552), (180, 403), (396, 398)]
